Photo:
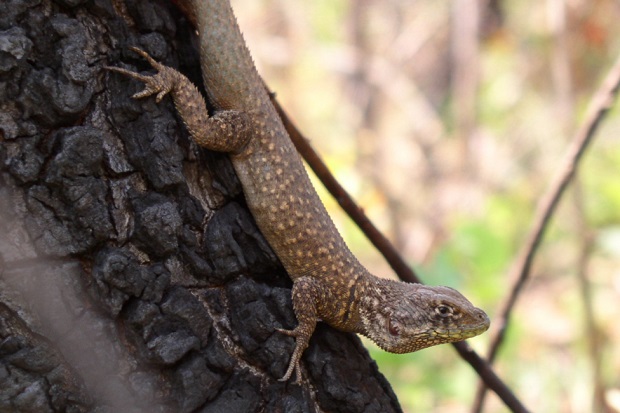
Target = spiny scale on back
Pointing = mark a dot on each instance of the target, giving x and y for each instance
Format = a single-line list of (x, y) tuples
[(329, 282)]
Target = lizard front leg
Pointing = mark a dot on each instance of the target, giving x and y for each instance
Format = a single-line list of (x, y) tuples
[(226, 131), (306, 293)]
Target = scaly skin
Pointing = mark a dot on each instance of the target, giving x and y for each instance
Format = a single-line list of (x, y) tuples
[(329, 282)]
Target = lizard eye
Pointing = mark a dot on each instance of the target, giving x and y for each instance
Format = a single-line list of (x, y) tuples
[(394, 327), (443, 311)]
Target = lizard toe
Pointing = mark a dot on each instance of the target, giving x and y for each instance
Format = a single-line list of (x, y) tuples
[(293, 367), (290, 333)]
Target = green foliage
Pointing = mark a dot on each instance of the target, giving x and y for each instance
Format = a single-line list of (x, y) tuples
[(477, 255), (601, 181), (327, 16)]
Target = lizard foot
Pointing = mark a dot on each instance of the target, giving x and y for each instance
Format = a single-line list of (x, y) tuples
[(226, 131), (301, 342), (161, 83)]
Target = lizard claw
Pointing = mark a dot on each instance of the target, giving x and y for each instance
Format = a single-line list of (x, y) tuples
[(162, 83), (289, 372)]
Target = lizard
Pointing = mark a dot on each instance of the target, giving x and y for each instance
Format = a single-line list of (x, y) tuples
[(329, 283)]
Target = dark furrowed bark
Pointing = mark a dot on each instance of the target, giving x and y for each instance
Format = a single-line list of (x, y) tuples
[(132, 276)]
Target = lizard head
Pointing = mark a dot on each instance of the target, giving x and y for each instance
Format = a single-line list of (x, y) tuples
[(410, 317)]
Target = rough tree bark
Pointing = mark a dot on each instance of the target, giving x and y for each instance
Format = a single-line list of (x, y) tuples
[(132, 277)]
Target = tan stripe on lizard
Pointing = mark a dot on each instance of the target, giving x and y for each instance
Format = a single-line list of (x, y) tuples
[(329, 283)]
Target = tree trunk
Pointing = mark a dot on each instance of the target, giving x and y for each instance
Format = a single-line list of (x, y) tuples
[(132, 276)]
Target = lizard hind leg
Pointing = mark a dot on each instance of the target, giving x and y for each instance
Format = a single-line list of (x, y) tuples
[(304, 303), (226, 131)]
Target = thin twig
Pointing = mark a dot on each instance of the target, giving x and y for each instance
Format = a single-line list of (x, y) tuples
[(600, 104), (593, 336), (489, 377), (394, 259)]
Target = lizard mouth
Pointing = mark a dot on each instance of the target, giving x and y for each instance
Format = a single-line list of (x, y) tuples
[(432, 338), (463, 332)]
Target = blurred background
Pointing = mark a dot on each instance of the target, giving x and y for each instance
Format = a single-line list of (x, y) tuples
[(446, 121)]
